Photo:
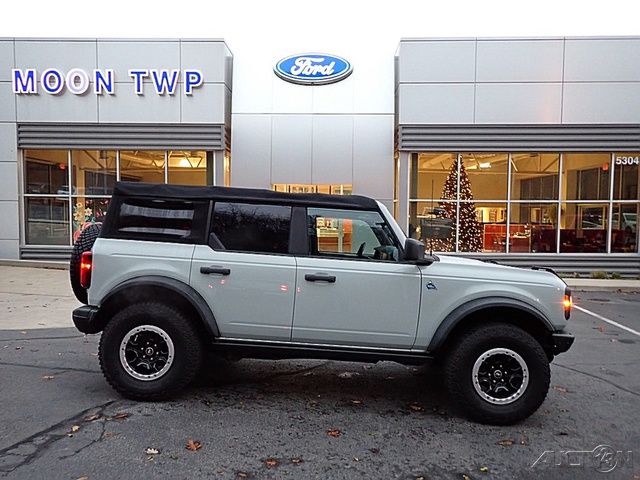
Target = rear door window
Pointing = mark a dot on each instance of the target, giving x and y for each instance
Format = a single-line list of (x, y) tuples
[(246, 227), (157, 219)]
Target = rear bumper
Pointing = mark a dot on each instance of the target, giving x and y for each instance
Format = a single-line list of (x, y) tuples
[(561, 342), (84, 318)]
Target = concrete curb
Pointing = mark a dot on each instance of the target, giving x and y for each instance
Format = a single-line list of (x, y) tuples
[(597, 285), (55, 265)]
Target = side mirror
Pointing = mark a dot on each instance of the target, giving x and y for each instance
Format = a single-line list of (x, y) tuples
[(414, 252)]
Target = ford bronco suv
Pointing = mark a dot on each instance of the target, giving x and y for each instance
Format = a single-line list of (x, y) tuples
[(177, 271)]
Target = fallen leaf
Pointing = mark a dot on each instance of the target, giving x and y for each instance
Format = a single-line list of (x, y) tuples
[(18, 348), (465, 477), (47, 377), (83, 478), (507, 442), (120, 416), (193, 445), (75, 428), (356, 459), (296, 460), (271, 462), (334, 432), (613, 340), (242, 475), (152, 451), (560, 389), (23, 332), (420, 478), (356, 402), (484, 469), (91, 418), (601, 328), (416, 407)]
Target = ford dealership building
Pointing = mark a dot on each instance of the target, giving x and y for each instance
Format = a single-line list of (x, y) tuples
[(522, 150)]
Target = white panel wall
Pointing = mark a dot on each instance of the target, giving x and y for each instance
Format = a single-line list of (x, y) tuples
[(436, 103), (291, 147), (522, 103), (601, 60), (608, 102), (520, 61), (372, 148), (251, 160), (6, 60), (519, 81), (316, 134), (437, 61), (332, 155)]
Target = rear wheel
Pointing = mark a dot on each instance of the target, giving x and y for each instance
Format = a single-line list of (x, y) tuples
[(150, 351), (84, 243), (497, 374)]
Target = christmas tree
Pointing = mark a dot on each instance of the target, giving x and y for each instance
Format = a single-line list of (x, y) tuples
[(470, 236)]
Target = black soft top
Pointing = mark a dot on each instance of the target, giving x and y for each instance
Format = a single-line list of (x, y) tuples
[(250, 195)]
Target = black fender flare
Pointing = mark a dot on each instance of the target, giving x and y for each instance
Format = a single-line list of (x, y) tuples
[(461, 312), (178, 287)]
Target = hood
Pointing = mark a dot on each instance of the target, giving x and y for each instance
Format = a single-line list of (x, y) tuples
[(452, 266)]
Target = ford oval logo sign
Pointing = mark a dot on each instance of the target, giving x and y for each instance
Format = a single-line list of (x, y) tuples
[(313, 69)]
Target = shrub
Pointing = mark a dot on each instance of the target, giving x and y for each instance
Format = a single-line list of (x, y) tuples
[(598, 275)]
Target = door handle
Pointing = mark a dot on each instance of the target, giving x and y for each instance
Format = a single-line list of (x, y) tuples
[(215, 269), (320, 277)]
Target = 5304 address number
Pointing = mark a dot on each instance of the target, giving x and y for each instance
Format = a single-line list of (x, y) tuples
[(623, 160)]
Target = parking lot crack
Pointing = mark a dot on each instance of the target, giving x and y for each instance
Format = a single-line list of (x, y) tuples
[(45, 367), (39, 442), (597, 377)]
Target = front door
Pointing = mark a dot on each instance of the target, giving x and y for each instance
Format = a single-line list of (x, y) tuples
[(245, 273), (351, 289)]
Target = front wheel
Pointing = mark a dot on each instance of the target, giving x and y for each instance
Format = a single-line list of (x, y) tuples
[(150, 351), (497, 374)]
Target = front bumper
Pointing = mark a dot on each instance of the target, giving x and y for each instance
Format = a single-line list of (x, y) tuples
[(561, 342), (84, 318)]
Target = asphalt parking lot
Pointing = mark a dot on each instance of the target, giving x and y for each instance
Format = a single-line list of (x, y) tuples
[(300, 419)]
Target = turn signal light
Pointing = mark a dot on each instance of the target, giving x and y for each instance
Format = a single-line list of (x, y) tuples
[(567, 303), (86, 265)]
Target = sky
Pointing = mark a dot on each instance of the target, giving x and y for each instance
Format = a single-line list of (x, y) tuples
[(325, 23)]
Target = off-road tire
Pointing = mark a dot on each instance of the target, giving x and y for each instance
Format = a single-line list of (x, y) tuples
[(183, 333), (84, 243), (458, 368)]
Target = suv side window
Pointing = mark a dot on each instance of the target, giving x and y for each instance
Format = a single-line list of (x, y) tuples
[(350, 234), (247, 227), (157, 220)]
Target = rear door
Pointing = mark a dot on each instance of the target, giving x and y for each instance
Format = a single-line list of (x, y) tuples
[(245, 272), (351, 287)]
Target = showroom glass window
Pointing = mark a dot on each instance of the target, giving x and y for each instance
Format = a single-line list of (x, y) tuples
[(46, 202), (549, 202), (584, 196), (626, 202), (64, 191), (533, 226)]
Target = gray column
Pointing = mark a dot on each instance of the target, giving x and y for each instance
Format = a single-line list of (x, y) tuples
[(10, 223), (403, 192)]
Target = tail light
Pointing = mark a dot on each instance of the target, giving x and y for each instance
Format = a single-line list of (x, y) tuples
[(86, 265), (567, 303)]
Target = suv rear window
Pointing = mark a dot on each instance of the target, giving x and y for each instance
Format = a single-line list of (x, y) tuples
[(249, 227), (157, 219)]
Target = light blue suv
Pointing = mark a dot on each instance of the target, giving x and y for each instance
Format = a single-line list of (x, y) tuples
[(175, 270)]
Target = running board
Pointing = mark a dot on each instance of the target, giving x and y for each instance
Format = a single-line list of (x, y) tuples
[(291, 350)]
